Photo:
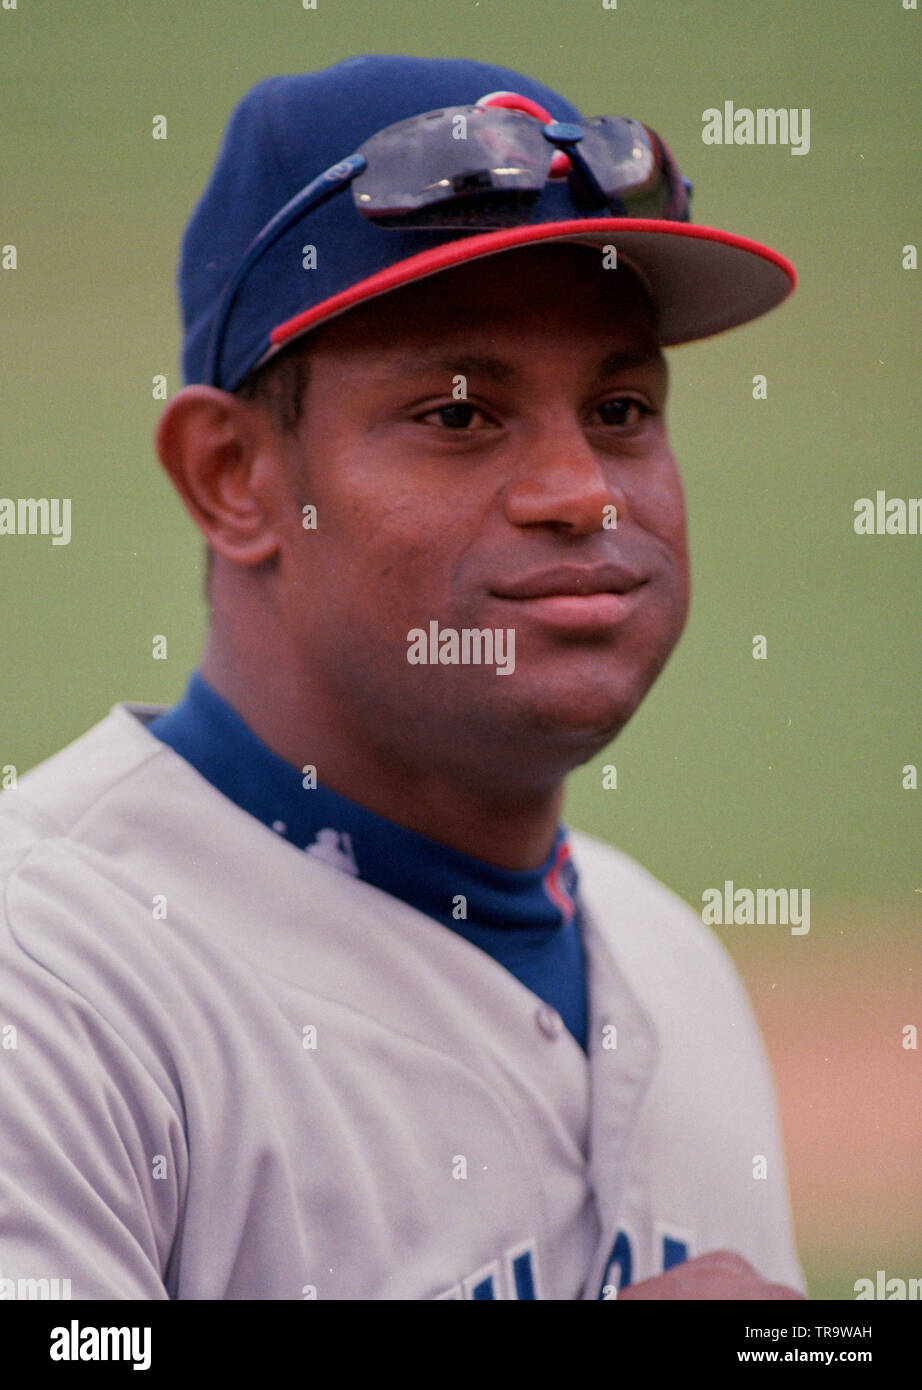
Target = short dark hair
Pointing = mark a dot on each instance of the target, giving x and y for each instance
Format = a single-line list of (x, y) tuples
[(279, 386)]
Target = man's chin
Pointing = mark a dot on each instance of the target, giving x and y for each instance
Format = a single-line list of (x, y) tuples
[(577, 713), (579, 724)]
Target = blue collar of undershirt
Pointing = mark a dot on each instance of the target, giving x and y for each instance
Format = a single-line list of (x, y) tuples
[(208, 733)]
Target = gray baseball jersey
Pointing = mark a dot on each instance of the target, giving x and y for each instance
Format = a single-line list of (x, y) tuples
[(229, 1070)]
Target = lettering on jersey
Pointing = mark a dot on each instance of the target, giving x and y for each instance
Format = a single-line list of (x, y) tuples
[(484, 1284), (619, 1271), (676, 1247), (515, 1276), (671, 1246)]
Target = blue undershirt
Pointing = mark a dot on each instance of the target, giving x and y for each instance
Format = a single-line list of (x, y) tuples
[(527, 920)]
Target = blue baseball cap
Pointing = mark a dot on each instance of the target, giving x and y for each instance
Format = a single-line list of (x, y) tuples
[(288, 130)]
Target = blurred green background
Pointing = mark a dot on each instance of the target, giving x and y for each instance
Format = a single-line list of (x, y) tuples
[(784, 772)]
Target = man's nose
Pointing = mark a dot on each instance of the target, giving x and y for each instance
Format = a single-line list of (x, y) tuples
[(563, 483)]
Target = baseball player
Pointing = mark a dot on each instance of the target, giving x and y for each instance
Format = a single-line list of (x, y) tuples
[(311, 992)]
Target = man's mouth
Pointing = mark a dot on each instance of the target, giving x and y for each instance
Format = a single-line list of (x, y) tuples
[(578, 598), (572, 581)]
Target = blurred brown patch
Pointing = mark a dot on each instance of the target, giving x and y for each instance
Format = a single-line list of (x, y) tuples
[(832, 1007)]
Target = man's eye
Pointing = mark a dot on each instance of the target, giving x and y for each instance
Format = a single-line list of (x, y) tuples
[(622, 410), (456, 416)]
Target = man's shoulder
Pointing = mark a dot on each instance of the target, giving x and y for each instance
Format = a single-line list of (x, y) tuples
[(63, 810), (76, 947), (51, 798)]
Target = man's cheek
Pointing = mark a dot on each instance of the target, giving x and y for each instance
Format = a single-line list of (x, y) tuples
[(662, 514), (393, 597)]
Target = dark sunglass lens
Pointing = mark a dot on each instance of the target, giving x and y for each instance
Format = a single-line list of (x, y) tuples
[(464, 166), (631, 168)]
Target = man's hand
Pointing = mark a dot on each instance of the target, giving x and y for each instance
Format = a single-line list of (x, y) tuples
[(719, 1274)]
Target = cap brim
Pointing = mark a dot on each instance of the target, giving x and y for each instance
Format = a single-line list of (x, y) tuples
[(701, 281)]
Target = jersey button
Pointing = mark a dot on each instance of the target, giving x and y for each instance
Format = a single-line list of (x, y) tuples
[(549, 1022)]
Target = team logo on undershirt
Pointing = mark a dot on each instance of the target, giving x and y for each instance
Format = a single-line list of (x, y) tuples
[(334, 847), (559, 882)]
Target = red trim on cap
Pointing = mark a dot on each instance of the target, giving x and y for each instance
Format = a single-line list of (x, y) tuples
[(514, 101), (484, 244)]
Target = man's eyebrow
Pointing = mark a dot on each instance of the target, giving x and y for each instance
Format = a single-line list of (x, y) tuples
[(465, 364), (617, 362), (501, 370)]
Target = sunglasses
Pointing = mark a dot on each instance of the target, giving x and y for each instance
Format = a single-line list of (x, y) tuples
[(479, 168)]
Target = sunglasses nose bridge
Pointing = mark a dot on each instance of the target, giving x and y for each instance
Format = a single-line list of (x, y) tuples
[(561, 163)]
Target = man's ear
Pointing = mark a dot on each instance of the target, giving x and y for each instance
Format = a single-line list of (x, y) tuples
[(223, 458)]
